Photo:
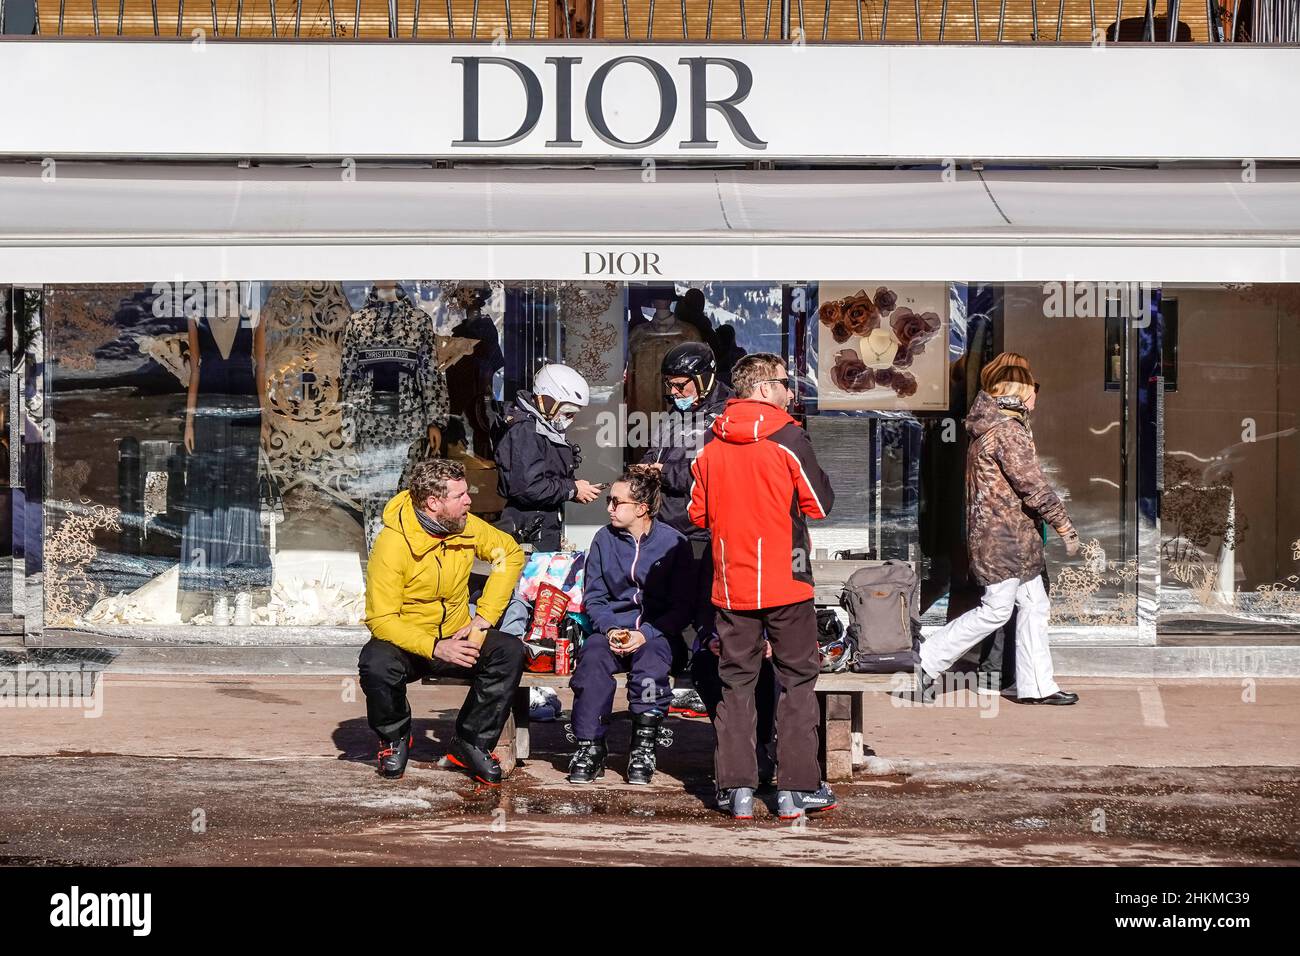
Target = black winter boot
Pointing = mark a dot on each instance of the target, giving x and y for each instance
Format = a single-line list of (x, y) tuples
[(393, 755), (647, 733), (479, 764), (588, 761)]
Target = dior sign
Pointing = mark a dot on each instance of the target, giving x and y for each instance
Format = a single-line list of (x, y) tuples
[(621, 263), (561, 89)]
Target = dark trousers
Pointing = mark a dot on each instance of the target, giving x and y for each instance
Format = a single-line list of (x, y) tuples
[(792, 631), (593, 682), (704, 617), (542, 529), (704, 675), (386, 669)]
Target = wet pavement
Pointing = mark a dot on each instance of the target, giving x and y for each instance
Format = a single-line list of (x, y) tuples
[(276, 772)]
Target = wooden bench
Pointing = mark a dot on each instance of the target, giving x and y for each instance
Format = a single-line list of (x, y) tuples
[(841, 697)]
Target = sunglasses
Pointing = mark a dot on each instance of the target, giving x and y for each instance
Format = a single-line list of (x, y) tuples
[(784, 382), (612, 502)]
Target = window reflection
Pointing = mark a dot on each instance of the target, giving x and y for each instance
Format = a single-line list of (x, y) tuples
[(142, 530)]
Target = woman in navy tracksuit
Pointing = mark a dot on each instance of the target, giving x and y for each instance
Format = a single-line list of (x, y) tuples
[(637, 590)]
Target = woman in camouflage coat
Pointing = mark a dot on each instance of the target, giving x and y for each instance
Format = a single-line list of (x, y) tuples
[(1006, 497)]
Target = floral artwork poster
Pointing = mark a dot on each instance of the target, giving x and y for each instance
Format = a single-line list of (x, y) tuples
[(882, 346)]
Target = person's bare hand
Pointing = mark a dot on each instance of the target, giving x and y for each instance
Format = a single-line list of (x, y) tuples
[(456, 650), (478, 622), (658, 466), (634, 640), (715, 646), (189, 434), (767, 648), (586, 492)]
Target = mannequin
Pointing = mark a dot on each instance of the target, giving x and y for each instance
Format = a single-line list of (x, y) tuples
[(647, 344), (223, 552), (392, 393), (878, 348), (469, 381)]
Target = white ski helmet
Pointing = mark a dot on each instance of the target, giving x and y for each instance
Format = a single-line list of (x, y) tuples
[(562, 385)]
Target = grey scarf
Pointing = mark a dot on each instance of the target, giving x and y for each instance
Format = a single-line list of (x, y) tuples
[(432, 525)]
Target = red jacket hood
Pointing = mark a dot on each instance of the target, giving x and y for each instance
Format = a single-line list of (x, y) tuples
[(746, 420)]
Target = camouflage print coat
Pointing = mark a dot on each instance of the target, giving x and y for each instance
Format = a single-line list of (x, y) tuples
[(1006, 494)]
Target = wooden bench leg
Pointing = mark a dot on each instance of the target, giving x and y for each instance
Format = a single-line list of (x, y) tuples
[(858, 728), (837, 735), (519, 708), (506, 745)]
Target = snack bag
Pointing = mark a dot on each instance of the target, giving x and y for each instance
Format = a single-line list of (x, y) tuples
[(539, 645)]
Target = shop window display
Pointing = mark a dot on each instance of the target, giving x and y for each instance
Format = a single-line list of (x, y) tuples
[(231, 442), (888, 370), (1229, 514), (732, 318), (1080, 433), (215, 457), (7, 312)]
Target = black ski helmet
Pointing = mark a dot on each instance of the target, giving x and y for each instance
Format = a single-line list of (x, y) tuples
[(693, 360)]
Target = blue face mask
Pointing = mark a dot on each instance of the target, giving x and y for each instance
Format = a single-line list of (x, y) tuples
[(684, 404)]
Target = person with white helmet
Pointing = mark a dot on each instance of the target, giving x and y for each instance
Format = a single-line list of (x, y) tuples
[(537, 465)]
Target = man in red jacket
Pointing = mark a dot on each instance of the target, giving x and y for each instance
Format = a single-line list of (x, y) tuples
[(754, 484)]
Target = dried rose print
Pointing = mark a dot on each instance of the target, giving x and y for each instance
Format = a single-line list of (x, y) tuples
[(885, 300)]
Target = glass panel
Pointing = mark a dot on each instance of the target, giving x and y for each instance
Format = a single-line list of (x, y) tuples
[(1230, 518), (302, 454), (899, 454), (33, 432), (1073, 333), (225, 443), (6, 488)]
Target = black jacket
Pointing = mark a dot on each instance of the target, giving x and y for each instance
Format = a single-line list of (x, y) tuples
[(536, 477), (679, 439)]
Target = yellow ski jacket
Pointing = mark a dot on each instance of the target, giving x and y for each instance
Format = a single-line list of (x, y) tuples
[(417, 585)]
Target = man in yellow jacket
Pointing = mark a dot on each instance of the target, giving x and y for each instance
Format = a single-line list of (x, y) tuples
[(418, 611)]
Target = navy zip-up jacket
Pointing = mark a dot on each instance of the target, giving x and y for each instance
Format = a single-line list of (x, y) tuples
[(640, 585)]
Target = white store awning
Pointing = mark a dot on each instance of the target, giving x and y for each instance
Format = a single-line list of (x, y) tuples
[(88, 222)]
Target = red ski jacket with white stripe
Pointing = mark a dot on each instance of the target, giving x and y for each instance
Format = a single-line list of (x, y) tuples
[(755, 482)]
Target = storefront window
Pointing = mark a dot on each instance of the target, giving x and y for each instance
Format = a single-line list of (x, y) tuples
[(248, 496), (1067, 331), (1230, 514), (240, 489), (890, 370), (6, 424)]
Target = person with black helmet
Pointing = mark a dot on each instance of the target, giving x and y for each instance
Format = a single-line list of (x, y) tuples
[(695, 395), (537, 465)]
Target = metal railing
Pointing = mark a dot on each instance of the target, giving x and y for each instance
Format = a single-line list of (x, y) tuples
[(867, 21)]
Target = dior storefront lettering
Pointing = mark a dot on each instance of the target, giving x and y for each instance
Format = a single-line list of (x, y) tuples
[(697, 95), (621, 263)]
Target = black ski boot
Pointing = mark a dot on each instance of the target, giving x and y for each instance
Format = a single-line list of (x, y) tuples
[(393, 755), (647, 734), (588, 761), (479, 764)]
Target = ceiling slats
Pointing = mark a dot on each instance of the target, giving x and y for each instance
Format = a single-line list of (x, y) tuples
[(953, 21)]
